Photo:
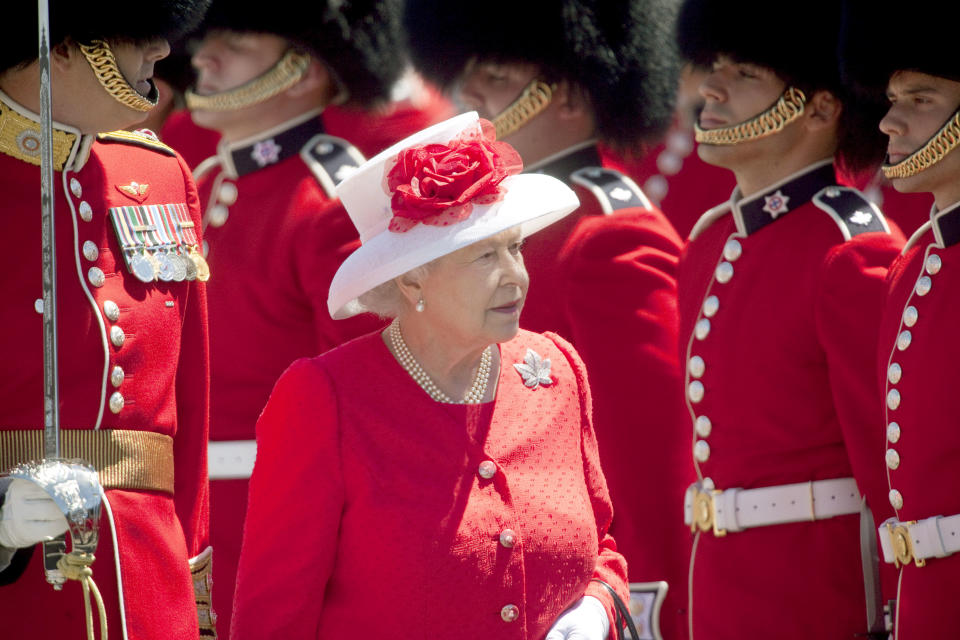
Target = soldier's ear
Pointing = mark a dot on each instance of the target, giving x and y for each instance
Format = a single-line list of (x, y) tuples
[(62, 55), (823, 110), (573, 103), (318, 78)]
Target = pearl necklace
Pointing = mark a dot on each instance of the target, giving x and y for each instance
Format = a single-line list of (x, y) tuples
[(474, 394)]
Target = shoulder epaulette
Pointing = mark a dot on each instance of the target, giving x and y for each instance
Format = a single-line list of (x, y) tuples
[(708, 218), (330, 159), (919, 233), (139, 138), (851, 210), (612, 189)]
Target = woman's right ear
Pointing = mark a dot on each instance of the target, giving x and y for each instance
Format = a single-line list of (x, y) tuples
[(410, 288)]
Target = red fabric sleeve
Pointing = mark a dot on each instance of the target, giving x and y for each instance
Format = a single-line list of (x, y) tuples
[(849, 306), (327, 239), (295, 502), (610, 566), (192, 489)]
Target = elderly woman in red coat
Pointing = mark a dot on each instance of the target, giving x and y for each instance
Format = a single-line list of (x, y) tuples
[(440, 478)]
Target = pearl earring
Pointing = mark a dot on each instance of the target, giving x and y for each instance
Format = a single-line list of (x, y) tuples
[(420, 305)]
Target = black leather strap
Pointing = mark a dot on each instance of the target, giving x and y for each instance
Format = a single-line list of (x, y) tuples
[(623, 616)]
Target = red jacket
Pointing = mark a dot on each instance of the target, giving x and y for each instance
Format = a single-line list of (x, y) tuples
[(276, 235), (783, 350), (605, 278), (370, 514), (926, 439), (133, 357)]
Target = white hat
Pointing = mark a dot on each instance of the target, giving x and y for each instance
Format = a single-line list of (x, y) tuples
[(533, 201)]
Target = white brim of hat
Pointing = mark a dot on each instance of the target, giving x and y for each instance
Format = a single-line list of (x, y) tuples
[(532, 201)]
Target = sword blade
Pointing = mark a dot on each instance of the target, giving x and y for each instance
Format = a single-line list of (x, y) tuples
[(51, 391)]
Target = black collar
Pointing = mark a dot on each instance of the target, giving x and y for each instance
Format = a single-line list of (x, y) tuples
[(757, 211), (561, 165), (270, 147), (946, 225)]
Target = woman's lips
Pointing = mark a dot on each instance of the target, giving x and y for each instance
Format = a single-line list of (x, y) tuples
[(513, 307)]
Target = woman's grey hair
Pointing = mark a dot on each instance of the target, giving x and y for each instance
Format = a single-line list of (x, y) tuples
[(386, 300)]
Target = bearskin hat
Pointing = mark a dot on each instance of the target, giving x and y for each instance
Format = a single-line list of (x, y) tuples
[(360, 40), (105, 20), (621, 52), (874, 44), (801, 47)]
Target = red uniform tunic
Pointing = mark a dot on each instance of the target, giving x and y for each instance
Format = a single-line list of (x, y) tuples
[(376, 511), (917, 335), (276, 237), (132, 356), (605, 278), (780, 296)]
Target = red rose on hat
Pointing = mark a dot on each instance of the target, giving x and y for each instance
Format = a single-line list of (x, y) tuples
[(438, 184)]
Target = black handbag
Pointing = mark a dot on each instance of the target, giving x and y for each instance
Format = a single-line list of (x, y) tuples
[(622, 615)]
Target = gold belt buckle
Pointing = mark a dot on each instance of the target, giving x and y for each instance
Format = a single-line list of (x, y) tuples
[(705, 512), (903, 545)]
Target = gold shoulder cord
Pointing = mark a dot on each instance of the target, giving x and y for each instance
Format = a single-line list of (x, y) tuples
[(531, 102), (787, 109), (104, 66), (942, 143), (287, 72)]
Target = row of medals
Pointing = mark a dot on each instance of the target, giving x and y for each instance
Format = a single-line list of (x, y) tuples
[(168, 265)]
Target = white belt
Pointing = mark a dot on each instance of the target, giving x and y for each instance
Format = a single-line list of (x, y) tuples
[(231, 459), (737, 509), (903, 542)]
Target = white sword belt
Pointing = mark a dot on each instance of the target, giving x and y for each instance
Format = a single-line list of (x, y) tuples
[(918, 540), (231, 459), (732, 510)]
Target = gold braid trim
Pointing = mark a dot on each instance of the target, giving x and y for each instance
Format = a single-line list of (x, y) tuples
[(942, 143), (20, 138), (531, 102), (104, 65), (201, 570), (787, 109), (287, 72)]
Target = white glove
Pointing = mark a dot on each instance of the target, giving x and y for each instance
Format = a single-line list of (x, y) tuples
[(586, 620), (29, 516)]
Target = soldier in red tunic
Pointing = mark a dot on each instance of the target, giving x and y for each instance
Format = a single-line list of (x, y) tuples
[(132, 323), (559, 79), (271, 218), (780, 293), (918, 349)]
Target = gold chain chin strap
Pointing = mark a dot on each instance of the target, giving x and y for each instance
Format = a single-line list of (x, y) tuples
[(287, 72), (788, 108), (104, 65), (531, 102), (942, 143), (76, 566)]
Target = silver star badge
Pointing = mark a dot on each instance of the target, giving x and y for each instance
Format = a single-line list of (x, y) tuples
[(265, 152), (534, 370), (776, 204)]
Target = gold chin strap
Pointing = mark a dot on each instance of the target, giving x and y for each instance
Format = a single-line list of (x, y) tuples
[(531, 102), (787, 109), (104, 65), (942, 143), (287, 72)]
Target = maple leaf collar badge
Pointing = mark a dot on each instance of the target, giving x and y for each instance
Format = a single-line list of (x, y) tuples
[(534, 370), (776, 204)]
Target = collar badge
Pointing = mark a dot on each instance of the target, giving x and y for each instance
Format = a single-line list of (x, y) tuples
[(265, 152), (776, 204)]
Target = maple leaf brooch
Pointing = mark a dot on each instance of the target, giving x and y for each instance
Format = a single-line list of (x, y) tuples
[(534, 370)]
